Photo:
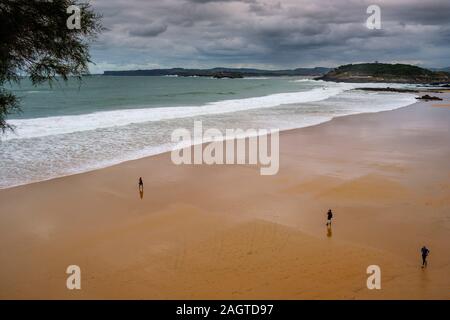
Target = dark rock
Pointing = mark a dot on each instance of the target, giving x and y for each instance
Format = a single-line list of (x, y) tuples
[(427, 97), (230, 75), (388, 89)]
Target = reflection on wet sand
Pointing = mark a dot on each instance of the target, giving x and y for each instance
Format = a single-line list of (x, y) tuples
[(329, 231)]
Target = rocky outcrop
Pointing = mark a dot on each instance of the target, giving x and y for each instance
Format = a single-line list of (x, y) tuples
[(382, 72), (427, 97)]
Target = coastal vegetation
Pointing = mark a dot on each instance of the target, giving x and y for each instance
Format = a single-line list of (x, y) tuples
[(384, 72), (37, 42)]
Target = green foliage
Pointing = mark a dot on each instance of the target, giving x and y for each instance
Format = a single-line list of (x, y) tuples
[(8, 104), (36, 42), (381, 69), (384, 72)]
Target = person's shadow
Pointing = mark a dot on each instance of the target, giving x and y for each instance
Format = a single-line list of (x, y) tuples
[(329, 231), (141, 192)]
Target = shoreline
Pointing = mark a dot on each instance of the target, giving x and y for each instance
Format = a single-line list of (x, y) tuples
[(282, 131)]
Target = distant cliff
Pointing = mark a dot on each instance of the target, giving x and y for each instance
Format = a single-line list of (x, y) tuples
[(383, 72), (221, 72)]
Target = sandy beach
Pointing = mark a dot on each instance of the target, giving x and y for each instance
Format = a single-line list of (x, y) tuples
[(225, 231)]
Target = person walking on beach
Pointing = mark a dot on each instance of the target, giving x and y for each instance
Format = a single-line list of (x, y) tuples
[(141, 188), (425, 253), (329, 217), (141, 184)]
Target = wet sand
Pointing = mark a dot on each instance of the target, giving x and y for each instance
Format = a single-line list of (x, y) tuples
[(207, 232)]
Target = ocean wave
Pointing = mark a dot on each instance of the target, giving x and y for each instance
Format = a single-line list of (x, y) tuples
[(308, 80), (257, 78), (40, 127), (42, 158)]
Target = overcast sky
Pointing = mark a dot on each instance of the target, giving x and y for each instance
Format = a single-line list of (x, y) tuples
[(268, 33)]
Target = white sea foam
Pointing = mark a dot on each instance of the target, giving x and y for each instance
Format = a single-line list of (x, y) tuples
[(57, 146), (34, 91), (39, 127), (257, 78)]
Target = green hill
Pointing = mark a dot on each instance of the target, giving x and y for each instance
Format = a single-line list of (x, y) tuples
[(383, 72)]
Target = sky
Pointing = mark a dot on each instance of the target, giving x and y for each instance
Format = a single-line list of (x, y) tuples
[(270, 34)]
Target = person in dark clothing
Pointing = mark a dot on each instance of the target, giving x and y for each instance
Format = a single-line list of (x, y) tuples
[(425, 253), (329, 217), (141, 187)]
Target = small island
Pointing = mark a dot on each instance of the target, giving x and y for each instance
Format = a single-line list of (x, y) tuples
[(384, 72)]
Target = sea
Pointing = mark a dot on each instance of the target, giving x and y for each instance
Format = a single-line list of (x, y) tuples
[(78, 126)]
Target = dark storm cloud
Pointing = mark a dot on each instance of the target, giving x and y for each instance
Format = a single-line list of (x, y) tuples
[(269, 33), (151, 30)]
